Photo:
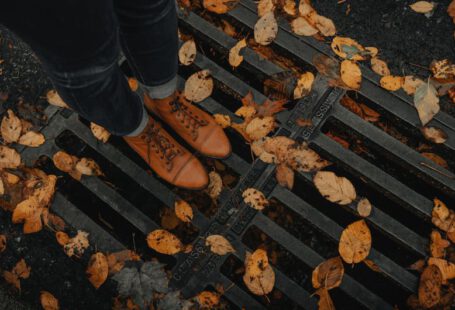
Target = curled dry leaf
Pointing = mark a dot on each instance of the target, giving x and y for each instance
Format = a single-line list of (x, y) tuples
[(215, 185), (223, 120), (48, 301), (11, 127), (438, 244), (347, 48), (99, 132), (435, 135), (442, 217), (207, 299), (260, 127), (430, 286), (325, 301), (198, 86), (328, 274), (364, 207), (411, 83), (446, 268), (300, 26), (335, 189), (266, 29), (391, 82), (187, 52), (285, 176), (32, 139), (259, 276), (77, 245), (255, 199), (422, 7), (219, 245), (355, 242), (304, 84), (351, 75), (219, 6), (235, 59), (426, 102), (88, 166), (183, 211), (379, 66), (438, 160), (54, 99), (164, 242), (2, 243), (97, 270)]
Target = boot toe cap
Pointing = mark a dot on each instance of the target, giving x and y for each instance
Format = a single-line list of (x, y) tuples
[(217, 145), (192, 176)]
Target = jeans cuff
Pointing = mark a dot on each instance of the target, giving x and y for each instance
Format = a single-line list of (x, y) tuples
[(163, 90), (142, 124)]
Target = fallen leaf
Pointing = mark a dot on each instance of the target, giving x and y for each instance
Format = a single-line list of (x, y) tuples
[(422, 6), (333, 188), (30, 213), (351, 74), (62, 238), (325, 301), (255, 199), (247, 112), (266, 29), (11, 127), (392, 82), (219, 6), (426, 102), (430, 286), (300, 26), (285, 176), (140, 283), (435, 135), (438, 244), (223, 120), (97, 270), (347, 48), (260, 127), (183, 211), (279, 146), (219, 245), (372, 265), (2, 243), (325, 25), (364, 207), (328, 274), (99, 132), (451, 10), (207, 299), (19, 271), (54, 99), (411, 83), (48, 301), (259, 276), (9, 158), (173, 301), (443, 69), (88, 166), (289, 7), (443, 217), (198, 86), (67, 163), (355, 242), (116, 261), (77, 245), (379, 66), (32, 139), (304, 85), (187, 52), (235, 59), (436, 159), (169, 220), (303, 159), (164, 242), (418, 266), (446, 268), (215, 185)]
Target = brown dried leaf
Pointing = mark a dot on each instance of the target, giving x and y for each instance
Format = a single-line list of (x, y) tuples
[(215, 185), (255, 199), (187, 53), (219, 6), (372, 265), (29, 212), (426, 102), (207, 299), (116, 261), (435, 135), (259, 127), (333, 188), (219, 245), (351, 74), (325, 25), (443, 69), (54, 99), (347, 48), (2, 243), (325, 301), (285, 176), (447, 268), (430, 286), (438, 244), (88, 166), (266, 29), (48, 301), (451, 10), (235, 59), (9, 158), (99, 132), (411, 83), (304, 85), (259, 276), (164, 242), (62, 238), (391, 82), (422, 7), (300, 26), (328, 274), (77, 245), (442, 217), (198, 86), (364, 207), (303, 159), (97, 270), (32, 139), (11, 127), (418, 266), (223, 120), (169, 220), (355, 242), (183, 211), (436, 159), (265, 6), (379, 66)]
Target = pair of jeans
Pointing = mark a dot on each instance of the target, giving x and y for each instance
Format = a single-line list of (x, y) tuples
[(79, 41)]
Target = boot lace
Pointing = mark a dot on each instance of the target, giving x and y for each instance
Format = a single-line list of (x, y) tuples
[(160, 144), (186, 117)]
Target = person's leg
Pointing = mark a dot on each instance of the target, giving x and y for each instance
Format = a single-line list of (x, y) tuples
[(77, 43)]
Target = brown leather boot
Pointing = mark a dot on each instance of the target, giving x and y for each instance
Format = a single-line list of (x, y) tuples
[(168, 158), (196, 127)]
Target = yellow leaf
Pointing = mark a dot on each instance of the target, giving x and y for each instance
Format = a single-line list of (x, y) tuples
[(379, 66), (207, 299), (9, 158), (32, 139), (215, 185), (198, 86), (235, 59), (223, 120), (259, 276), (422, 7), (391, 82), (97, 270), (164, 242), (77, 245), (304, 84), (54, 99), (355, 242), (447, 268), (302, 27), (88, 166), (324, 25), (187, 52), (342, 45), (219, 244), (265, 6), (430, 287), (255, 199), (183, 211), (48, 301), (266, 29), (99, 132), (219, 6), (260, 127), (335, 189), (11, 127), (351, 74), (328, 274), (364, 207)]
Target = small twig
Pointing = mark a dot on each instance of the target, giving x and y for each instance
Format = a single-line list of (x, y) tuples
[(418, 66), (436, 170)]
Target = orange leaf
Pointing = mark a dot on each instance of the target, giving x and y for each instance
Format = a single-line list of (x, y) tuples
[(97, 269)]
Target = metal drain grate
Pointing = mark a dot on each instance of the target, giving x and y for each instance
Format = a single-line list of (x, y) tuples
[(402, 211)]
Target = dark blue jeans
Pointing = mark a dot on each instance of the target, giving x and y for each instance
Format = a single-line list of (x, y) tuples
[(78, 43)]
